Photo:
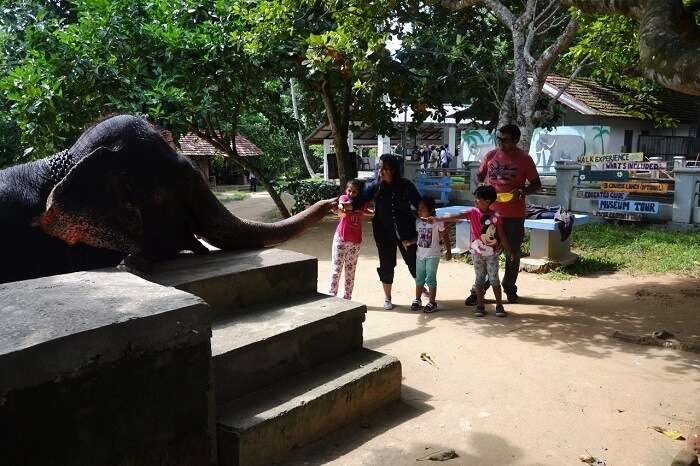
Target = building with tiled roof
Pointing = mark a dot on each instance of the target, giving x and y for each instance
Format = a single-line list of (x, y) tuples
[(597, 112), (589, 97), (201, 151)]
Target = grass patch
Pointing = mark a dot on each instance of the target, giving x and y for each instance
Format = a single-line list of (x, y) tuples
[(230, 195), (636, 249)]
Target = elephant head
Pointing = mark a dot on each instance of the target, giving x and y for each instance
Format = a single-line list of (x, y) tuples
[(141, 197)]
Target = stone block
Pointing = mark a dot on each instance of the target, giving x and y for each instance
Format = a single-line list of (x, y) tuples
[(274, 341), (232, 281), (103, 368), (263, 427)]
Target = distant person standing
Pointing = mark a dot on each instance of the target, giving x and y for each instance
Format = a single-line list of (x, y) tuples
[(445, 157), (425, 156), (253, 180), (434, 157), (511, 170)]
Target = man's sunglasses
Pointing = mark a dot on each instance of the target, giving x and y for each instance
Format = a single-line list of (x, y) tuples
[(500, 139)]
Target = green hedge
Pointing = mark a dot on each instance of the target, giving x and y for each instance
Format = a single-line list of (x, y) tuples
[(307, 192)]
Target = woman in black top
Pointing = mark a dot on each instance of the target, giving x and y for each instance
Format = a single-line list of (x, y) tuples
[(394, 222)]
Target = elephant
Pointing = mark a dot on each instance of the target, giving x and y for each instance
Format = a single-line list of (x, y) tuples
[(120, 191)]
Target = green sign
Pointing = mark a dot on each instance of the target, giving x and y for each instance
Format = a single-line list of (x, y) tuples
[(603, 175)]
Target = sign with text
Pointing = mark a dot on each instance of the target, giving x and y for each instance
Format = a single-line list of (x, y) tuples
[(649, 188), (638, 207), (620, 195), (606, 158), (589, 175), (634, 166)]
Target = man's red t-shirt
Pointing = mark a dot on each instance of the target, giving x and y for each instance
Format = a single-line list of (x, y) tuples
[(506, 173)]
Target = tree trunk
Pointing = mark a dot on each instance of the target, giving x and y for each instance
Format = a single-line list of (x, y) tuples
[(242, 162), (339, 120), (274, 195), (669, 39), (301, 139)]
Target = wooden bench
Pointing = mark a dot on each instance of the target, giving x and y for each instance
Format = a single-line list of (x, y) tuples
[(437, 184), (546, 247)]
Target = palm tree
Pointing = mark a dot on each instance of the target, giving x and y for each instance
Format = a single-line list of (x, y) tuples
[(473, 137), (601, 131)]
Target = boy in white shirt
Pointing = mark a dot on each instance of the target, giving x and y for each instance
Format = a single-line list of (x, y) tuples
[(427, 254)]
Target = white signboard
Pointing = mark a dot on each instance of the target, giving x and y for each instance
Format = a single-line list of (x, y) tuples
[(639, 207)]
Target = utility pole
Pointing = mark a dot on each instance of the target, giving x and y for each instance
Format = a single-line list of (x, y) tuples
[(301, 139)]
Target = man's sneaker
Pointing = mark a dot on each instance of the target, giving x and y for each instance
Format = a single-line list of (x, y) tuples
[(471, 300), (430, 308), (500, 312), (388, 306), (416, 305), (479, 312), (512, 297)]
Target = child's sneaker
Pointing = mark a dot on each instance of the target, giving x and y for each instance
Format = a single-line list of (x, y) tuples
[(416, 305), (500, 311), (430, 308), (388, 306), (480, 311)]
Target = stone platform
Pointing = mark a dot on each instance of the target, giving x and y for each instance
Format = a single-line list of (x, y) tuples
[(103, 368), (107, 368)]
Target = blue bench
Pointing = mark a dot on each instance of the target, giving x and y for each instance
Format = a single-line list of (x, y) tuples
[(546, 246), (437, 184)]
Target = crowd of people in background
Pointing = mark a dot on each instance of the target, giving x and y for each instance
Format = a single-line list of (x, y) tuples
[(430, 156)]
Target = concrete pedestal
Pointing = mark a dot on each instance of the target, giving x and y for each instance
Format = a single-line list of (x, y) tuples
[(103, 368), (686, 192), (567, 174)]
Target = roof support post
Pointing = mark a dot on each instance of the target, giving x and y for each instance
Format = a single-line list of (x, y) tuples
[(326, 151), (451, 145), (383, 145)]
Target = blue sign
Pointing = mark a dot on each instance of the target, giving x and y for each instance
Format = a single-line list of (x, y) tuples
[(639, 207)]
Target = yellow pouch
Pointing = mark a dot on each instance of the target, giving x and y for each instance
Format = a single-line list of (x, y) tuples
[(504, 197)]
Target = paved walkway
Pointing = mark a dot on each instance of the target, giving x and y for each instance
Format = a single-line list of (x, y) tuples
[(259, 206)]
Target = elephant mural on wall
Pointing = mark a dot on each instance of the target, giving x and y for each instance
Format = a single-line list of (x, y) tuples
[(119, 190)]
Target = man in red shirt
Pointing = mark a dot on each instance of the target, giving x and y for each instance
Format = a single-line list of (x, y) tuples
[(508, 168)]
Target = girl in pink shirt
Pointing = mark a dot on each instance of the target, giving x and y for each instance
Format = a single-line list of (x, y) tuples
[(347, 239)]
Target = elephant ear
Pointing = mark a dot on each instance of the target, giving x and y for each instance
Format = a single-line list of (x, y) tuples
[(96, 205)]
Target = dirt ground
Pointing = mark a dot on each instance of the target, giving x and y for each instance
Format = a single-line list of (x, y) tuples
[(541, 387)]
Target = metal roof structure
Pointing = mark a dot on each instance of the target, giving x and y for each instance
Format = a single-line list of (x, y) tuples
[(431, 131)]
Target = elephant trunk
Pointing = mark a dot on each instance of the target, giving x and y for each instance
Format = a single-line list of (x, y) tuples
[(222, 229)]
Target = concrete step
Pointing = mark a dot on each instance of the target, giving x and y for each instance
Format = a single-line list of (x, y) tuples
[(231, 281), (262, 427), (273, 341)]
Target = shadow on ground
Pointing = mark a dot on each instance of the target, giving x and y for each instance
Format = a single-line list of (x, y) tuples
[(584, 325), (343, 441)]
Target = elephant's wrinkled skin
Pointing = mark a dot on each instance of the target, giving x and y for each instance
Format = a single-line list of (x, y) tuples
[(119, 190)]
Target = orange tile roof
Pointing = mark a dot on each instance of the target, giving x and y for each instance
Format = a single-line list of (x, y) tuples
[(194, 147)]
